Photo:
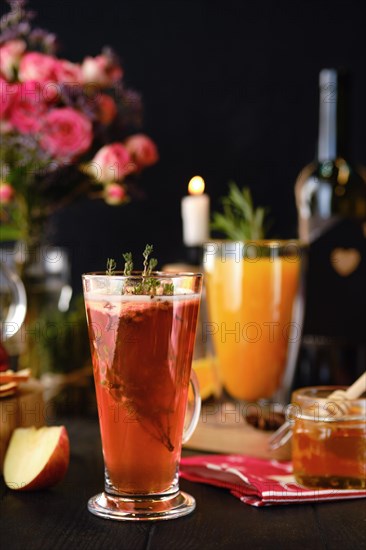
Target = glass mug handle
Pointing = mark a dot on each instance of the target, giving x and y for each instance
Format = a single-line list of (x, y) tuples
[(18, 306), (187, 433)]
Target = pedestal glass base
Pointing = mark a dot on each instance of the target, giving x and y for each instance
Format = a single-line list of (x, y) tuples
[(142, 508)]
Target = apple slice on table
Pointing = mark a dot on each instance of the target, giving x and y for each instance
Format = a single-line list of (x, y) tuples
[(36, 459)]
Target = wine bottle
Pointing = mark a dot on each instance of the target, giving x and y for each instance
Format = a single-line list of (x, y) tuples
[(331, 202)]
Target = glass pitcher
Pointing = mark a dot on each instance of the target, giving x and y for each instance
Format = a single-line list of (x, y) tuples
[(13, 302)]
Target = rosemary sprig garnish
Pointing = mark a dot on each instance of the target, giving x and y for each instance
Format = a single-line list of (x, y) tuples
[(240, 220), (111, 266)]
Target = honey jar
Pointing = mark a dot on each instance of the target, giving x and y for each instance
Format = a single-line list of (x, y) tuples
[(329, 439)]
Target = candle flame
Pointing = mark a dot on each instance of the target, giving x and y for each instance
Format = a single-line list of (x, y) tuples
[(196, 186)]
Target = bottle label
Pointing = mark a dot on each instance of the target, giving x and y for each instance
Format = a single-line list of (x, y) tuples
[(345, 260), (336, 283)]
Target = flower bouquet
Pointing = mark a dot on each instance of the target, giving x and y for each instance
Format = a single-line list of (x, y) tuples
[(66, 128)]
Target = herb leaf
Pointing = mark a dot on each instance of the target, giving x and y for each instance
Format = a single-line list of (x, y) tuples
[(146, 253), (240, 220), (111, 266), (146, 284), (128, 263), (168, 289), (153, 262)]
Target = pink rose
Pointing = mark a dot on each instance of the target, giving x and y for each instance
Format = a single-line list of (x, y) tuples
[(10, 54), (114, 194), (67, 72), (6, 193), (66, 133), (100, 70), (107, 108), (37, 66), (7, 95), (142, 149), (27, 108), (111, 163)]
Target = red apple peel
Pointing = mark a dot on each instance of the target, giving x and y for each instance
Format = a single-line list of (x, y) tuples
[(36, 459)]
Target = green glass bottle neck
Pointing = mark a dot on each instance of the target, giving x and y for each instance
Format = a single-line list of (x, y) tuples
[(327, 143), (333, 119)]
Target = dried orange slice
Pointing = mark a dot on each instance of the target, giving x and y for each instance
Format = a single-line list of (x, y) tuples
[(11, 376)]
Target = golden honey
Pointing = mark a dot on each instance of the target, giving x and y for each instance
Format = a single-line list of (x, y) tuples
[(329, 444)]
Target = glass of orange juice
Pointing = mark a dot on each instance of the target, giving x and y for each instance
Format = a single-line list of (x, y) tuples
[(255, 304), (142, 333)]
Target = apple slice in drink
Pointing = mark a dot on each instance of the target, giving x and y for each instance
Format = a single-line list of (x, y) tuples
[(36, 459)]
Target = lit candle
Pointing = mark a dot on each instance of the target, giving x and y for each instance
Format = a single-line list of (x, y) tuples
[(196, 213)]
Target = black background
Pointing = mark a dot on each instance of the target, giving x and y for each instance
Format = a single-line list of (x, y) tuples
[(230, 91)]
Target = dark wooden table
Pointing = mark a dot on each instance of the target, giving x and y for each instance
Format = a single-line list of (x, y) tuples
[(58, 518)]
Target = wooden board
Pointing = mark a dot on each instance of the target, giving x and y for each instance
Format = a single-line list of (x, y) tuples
[(223, 429), (24, 409)]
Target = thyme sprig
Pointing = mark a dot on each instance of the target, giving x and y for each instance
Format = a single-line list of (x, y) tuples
[(149, 265), (111, 266), (168, 289), (128, 263), (147, 285)]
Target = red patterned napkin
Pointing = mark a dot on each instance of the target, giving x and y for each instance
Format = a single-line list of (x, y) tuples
[(257, 481)]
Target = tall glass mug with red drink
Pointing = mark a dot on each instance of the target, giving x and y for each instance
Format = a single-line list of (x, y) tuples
[(142, 331)]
